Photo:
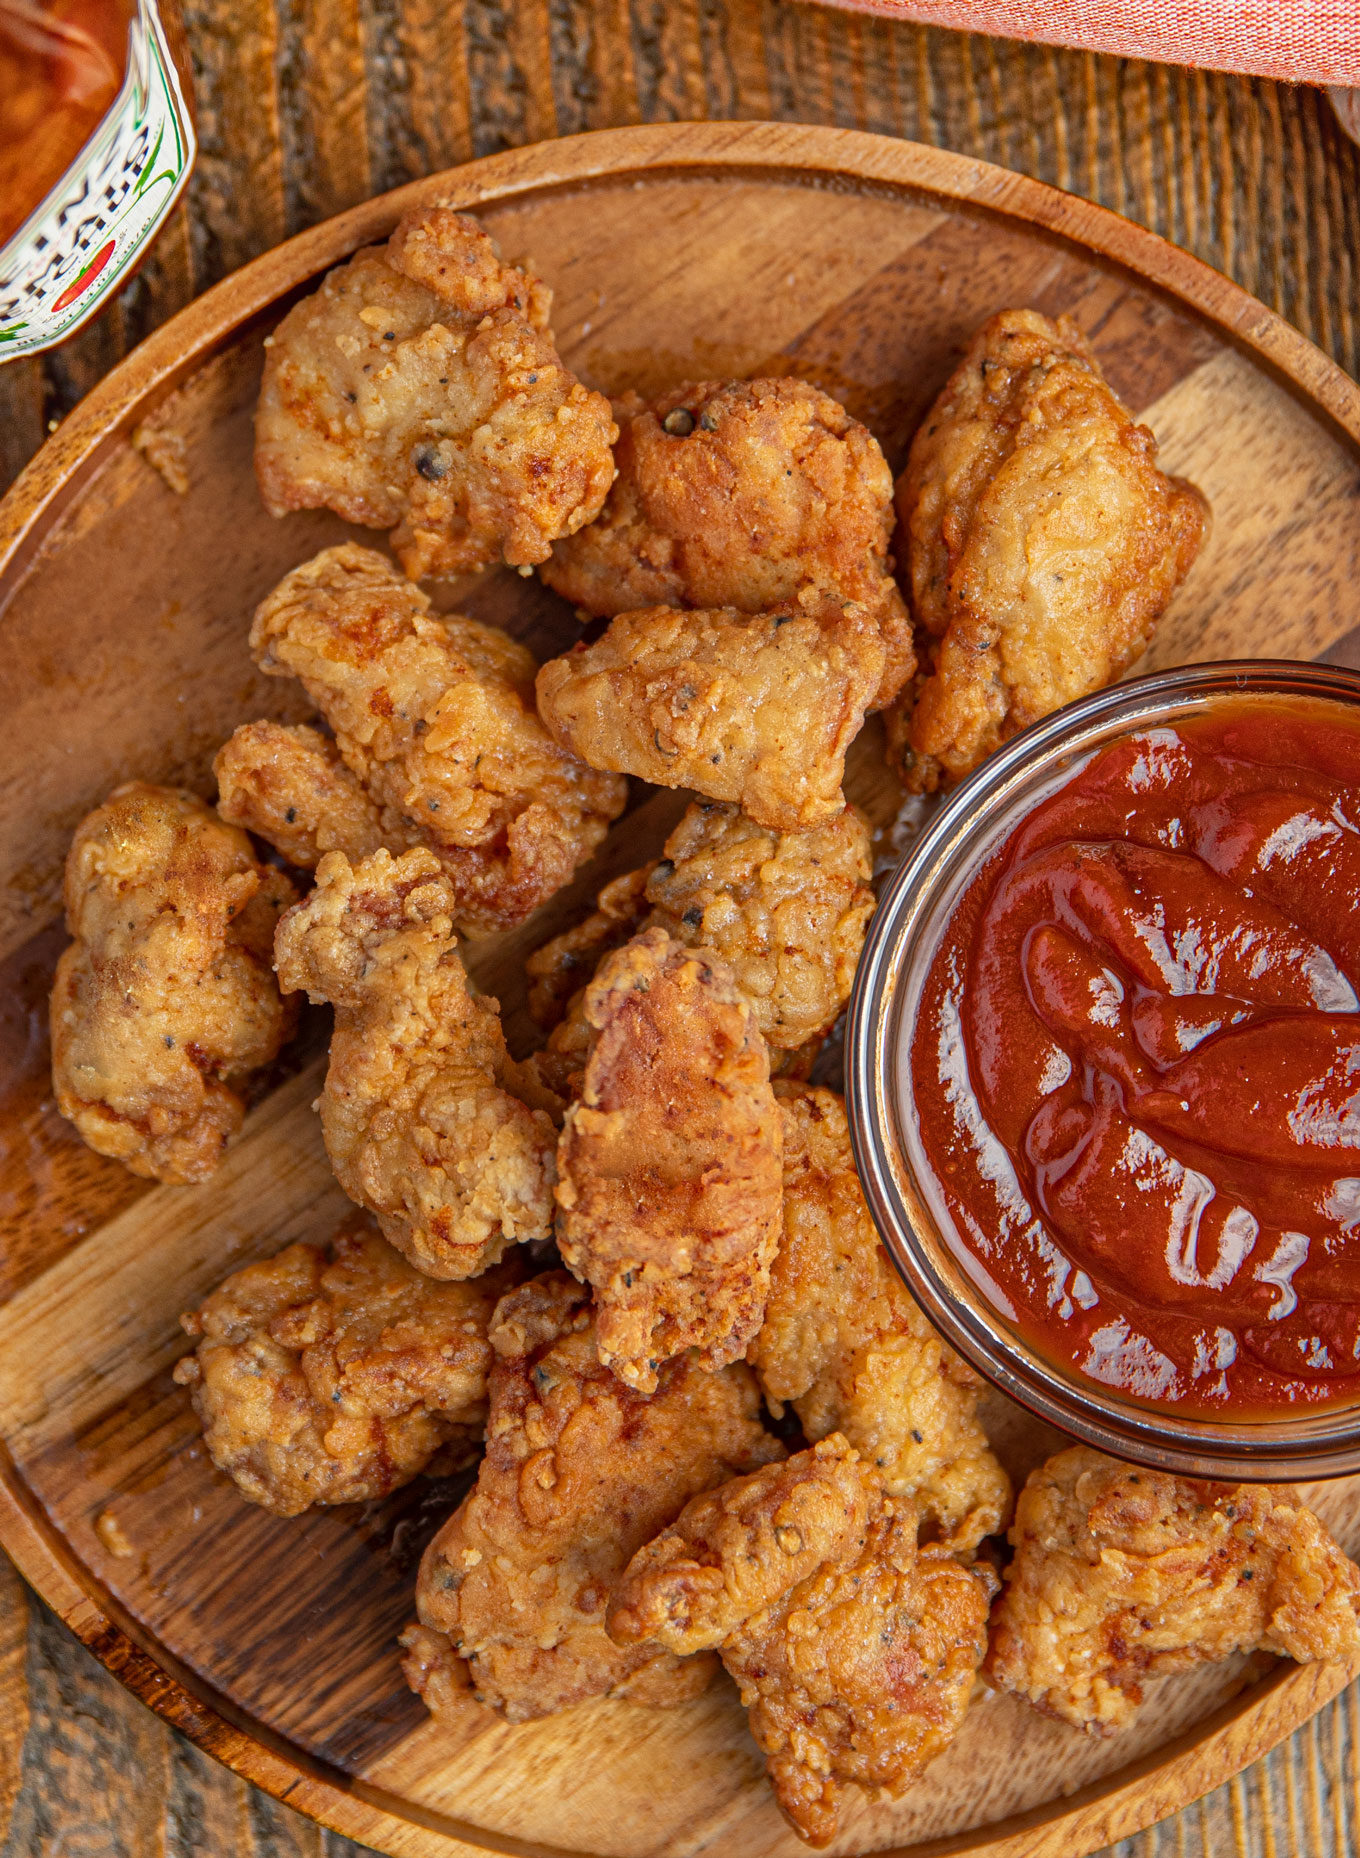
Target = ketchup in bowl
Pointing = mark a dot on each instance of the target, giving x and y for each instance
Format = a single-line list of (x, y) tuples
[(1135, 1065)]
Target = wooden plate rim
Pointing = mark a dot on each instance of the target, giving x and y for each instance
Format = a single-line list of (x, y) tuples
[(1107, 1810), (172, 352)]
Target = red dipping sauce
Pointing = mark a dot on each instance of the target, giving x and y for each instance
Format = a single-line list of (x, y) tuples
[(1136, 1065)]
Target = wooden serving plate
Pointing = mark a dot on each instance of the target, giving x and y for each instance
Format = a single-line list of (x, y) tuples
[(131, 555)]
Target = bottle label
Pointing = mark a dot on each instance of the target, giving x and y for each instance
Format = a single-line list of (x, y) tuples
[(82, 241)]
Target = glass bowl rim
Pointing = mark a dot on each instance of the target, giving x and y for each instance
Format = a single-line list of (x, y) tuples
[(1322, 1443)]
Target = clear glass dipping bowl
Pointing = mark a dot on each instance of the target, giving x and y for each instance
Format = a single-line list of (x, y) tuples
[(903, 936)]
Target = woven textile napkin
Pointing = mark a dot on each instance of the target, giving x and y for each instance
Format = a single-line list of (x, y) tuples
[(1302, 41)]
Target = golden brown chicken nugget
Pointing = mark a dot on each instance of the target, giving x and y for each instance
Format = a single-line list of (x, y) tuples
[(738, 1549), (563, 967), (786, 910), (166, 1002), (1121, 1574), (289, 785), (847, 1345), (1043, 544), (863, 1673), (335, 1376), (758, 709), (434, 717), (748, 494), (579, 1471), (854, 1647), (669, 1167), (419, 390), (419, 1111)]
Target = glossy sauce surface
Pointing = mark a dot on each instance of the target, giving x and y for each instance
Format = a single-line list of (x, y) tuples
[(1136, 1064)]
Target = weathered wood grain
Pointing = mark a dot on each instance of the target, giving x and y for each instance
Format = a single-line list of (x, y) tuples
[(15, 1713), (104, 1778)]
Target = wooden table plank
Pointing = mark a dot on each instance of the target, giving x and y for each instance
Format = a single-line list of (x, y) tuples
[(15, 1714), (306, 105)]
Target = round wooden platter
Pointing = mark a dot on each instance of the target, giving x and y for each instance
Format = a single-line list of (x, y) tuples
[(131, 555)]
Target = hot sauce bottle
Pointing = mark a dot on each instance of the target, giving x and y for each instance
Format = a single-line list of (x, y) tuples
[(96, 141)]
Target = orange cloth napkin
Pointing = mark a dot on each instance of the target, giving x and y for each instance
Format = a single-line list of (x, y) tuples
[(1302, 41)]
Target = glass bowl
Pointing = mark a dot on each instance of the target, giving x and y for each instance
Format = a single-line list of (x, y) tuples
[(897, 1178)]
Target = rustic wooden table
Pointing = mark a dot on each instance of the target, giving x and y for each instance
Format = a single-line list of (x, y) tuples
[(306, 106)]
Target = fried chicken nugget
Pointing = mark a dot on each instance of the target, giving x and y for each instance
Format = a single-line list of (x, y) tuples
[(579, 1471), (854, 1647), (846, 1344), (434, 718), (1043, 544), (289, 786), (1121, 1574), (335, 1376), (740, 1548), (562, 967), (419, 1111), (166, 1002), (668, 1188), (748, 494), (559, 973), (419, 390), (786, 910), (863, 1673), (754, 708)]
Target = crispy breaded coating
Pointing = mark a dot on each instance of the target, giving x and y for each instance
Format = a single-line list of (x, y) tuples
[(668, 1193), (579, 1471), (559, 1068), (419, 1113), (289, 786), (758, 709), (847, 1345), (854, 1647), (739, 1548), (1043, 544), (434, 718), (419, 390), (559, 973), (748, 494), (166, 1002), (786, 910), (1121, 1574), (863, 1673), (335, 1376), (561, 968)]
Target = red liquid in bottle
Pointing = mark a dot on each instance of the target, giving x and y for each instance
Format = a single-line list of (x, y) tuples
[(61, 66)]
